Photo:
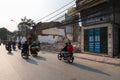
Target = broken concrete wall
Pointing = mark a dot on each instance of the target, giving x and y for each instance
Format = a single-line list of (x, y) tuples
[(49, 39)]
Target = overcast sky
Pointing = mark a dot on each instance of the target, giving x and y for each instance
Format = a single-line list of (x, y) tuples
[(32, 9)]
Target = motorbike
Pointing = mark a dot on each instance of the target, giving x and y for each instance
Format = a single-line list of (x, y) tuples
[(14, 47), (34, 51), (8, 49), (65, 56), (25, 54), (19, 47)]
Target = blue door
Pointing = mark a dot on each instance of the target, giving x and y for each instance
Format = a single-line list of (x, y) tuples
[(97, 40), (91, 40)]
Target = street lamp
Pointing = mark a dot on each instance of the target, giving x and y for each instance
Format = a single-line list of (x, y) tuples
[(14, 21), (17, 27)]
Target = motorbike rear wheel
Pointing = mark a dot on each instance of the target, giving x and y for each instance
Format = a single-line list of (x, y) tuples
[(25, 55), (71, 59), (34, 53), (59, 57)]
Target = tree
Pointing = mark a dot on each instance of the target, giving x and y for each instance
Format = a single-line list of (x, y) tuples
[(6, 36), (25, 28)]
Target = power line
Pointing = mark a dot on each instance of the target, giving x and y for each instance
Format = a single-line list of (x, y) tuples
[(56, 10), (59, 17), (58, 13), (64, 15)]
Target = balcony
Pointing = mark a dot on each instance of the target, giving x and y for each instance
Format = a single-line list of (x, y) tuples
[(85, 4)]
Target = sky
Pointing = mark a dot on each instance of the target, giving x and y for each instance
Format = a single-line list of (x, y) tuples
[(32, 9)]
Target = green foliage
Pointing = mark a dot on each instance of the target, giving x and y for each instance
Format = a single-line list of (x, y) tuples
[(27, 23), (5, 34)]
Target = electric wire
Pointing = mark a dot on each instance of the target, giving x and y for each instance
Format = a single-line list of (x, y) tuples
[(56, 10), (58, 13)]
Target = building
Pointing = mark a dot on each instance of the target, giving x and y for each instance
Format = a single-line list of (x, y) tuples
[(71, 25), (100, 26), (50, 32)]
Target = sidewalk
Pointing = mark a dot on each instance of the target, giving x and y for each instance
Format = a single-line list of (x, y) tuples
[(101, 59)]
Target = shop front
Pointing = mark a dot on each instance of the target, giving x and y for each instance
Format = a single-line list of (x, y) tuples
[(116, 41), (100, 32), (95, 40), (119, 42)]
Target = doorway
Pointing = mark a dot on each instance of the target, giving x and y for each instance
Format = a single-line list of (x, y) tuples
[(119, 40)]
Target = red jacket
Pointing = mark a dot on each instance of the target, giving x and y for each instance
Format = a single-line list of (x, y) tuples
[(70, 48)]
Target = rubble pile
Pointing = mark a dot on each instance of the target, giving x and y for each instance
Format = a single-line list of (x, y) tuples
[(58, 46), (52, 47), (77, 47)]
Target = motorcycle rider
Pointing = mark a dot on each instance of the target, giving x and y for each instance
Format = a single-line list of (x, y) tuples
[(70, 49), (8, 46), (25, 49), (64, 51), (65, 47), (14, 45), (19, 45), (35, 47)]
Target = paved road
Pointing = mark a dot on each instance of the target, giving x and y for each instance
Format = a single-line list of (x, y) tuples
[(47, 67)]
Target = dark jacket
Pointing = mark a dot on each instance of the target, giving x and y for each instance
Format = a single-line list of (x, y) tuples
[(25, 47), (65, 48)]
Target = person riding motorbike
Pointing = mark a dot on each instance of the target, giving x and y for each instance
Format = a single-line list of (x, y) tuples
[(19, 45), (67, 53), (13, 45), (64, 51), (70, 49), (8, 46), (35, 47), (25, 49), (65, 47)]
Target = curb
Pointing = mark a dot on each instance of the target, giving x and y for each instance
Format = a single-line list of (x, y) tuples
[(106, 60)]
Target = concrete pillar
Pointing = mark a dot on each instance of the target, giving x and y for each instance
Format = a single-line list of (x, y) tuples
[(75, 32), (110, 40), (82, 39)]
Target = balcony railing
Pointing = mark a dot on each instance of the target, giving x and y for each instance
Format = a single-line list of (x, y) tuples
[(84, 4)]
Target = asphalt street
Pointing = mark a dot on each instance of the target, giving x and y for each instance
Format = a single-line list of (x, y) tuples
[(47, 67)]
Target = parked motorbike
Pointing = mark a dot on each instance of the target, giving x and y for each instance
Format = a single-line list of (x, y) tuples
[(65, 56)]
